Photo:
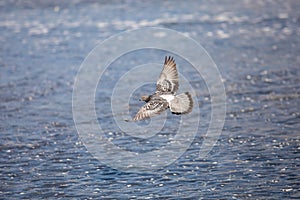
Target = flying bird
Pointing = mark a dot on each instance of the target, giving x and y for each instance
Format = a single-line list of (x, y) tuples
[(165, 95)]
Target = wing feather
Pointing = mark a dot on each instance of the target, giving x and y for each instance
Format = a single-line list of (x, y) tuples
[(168, 79), (152, 108)]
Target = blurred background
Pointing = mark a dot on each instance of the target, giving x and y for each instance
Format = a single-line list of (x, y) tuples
[(255, 45)]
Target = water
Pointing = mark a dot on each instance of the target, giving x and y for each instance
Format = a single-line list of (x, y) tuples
[(256, 47)]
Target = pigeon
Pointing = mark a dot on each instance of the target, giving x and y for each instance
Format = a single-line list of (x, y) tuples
[(165, 95)]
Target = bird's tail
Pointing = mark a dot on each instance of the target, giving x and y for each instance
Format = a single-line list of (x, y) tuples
[(182, 104)]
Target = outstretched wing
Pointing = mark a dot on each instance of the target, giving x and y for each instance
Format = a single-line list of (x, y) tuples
[(153, 107), (168, 79), (182, 104)]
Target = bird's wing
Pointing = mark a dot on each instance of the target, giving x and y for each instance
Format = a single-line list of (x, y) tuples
[(153, 107), (182, 104), (168, 79)]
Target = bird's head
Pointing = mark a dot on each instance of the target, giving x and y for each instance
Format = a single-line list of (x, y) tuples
[(145, 98)]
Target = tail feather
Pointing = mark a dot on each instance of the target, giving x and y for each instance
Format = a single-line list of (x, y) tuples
[(182, 104)]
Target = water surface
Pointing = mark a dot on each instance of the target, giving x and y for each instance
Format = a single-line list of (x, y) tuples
[(256, 47)]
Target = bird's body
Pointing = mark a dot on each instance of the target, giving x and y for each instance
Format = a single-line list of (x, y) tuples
[(165, 95), (168, 97)]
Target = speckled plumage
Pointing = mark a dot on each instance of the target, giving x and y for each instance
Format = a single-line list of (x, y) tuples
[(165, 95)]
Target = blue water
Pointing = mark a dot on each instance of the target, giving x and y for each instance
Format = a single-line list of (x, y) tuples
[(256, 47)]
